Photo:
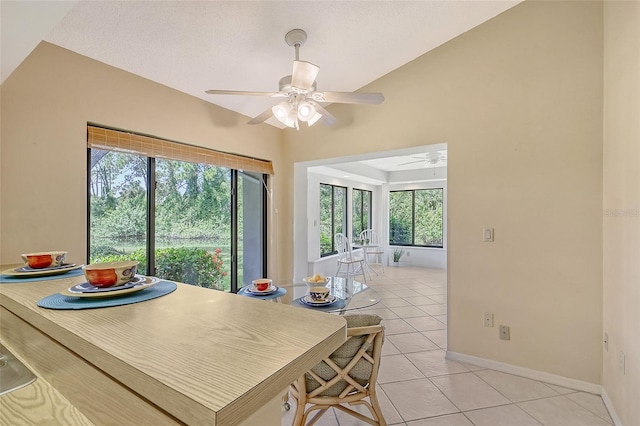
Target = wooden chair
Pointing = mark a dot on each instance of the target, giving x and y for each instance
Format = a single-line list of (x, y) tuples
[(355, 264), (347, 376), (376, 251)]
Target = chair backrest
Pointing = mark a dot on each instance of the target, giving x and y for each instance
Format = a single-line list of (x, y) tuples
[(370, 235), (343, 246), (353, 367)]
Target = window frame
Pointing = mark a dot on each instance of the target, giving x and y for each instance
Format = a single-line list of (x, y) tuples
[(370, 212), (413, 219), (333, 219), (151, 211)]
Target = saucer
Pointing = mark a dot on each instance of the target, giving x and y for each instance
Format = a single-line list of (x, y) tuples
[(143, 283), (25, 271), (307, 300), (254, 291), (88, 288)]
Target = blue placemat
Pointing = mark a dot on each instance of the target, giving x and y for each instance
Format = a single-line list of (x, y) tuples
[(11, 279), (279, 293), (340, 303), (59, 301)]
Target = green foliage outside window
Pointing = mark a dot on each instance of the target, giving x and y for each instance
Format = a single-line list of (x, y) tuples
[(416, 217), (183, 264)]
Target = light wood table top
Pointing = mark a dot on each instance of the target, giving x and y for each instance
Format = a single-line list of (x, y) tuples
[(196, 353)]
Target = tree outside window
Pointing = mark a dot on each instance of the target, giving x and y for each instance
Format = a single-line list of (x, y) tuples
[(415, 217), (361, 212), (333, 216)]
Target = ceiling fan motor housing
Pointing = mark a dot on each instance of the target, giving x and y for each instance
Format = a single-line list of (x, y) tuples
[(296, 37)]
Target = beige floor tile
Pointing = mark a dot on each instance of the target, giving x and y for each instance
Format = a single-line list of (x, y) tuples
[(431, 291), (395, 302), (560, 411), (412, 342), (425, 323), (448, 420), (397, 326), (418, 399), (517, 389), (473, 367), (433, 363), (592, 403), (504, 415), (561, 390), (389, 412), (396, 368), (422, 300), (439, 298), (434, 309), (441, 318), (468, 392), (389, 349), (408, 311), (405, 292), (439, 337), (384, 313), (327, 419)]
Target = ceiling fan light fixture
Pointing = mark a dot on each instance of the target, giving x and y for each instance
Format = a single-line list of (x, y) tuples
[(306, 111), (285, 114)]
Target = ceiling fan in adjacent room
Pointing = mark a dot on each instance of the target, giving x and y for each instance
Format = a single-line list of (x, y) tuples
[(430, 159), (301, 101)]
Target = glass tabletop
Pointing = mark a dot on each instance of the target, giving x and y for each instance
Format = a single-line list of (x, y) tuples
[(349, 294)]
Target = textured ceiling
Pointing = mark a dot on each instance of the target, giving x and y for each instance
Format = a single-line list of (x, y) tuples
[(194, 46)]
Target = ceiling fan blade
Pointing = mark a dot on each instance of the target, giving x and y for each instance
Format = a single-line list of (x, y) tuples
[(267, 114), (239, 92), (351, 98), (412, 162), (327, 118), (304, 74)]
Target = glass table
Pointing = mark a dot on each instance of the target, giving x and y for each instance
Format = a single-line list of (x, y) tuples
[(350, 294)]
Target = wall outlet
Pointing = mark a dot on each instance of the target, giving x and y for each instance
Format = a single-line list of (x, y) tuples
[(487, 319), (505, 333), (408, 254), (487, 235)]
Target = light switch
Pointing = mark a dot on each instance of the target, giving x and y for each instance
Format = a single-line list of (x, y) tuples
[(488, 235)]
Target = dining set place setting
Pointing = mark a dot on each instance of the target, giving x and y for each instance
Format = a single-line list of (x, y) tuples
[(263, 288), (318, 295), (107, 284)]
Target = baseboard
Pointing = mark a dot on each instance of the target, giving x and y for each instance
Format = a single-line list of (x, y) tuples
[(612, 410), (542, 376)]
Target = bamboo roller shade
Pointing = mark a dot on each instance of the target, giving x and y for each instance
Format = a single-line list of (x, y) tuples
[(149, 146)]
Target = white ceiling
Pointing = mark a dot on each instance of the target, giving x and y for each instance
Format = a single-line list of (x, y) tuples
[(193, 46)]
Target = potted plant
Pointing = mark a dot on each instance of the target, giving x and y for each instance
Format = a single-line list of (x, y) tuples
[(397, 254)]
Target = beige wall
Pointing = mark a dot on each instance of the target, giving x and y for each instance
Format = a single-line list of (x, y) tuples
[(46, 104), (518, 100), (621, 296)]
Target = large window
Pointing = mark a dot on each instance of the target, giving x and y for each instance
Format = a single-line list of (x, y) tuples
[(333, 216), (361, 212), (190, 222), (415, 217)]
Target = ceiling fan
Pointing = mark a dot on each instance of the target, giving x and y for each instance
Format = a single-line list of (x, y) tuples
[(301, 99), (429, 158)]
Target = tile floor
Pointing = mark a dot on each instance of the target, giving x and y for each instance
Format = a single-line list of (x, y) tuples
[(417, 386)]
